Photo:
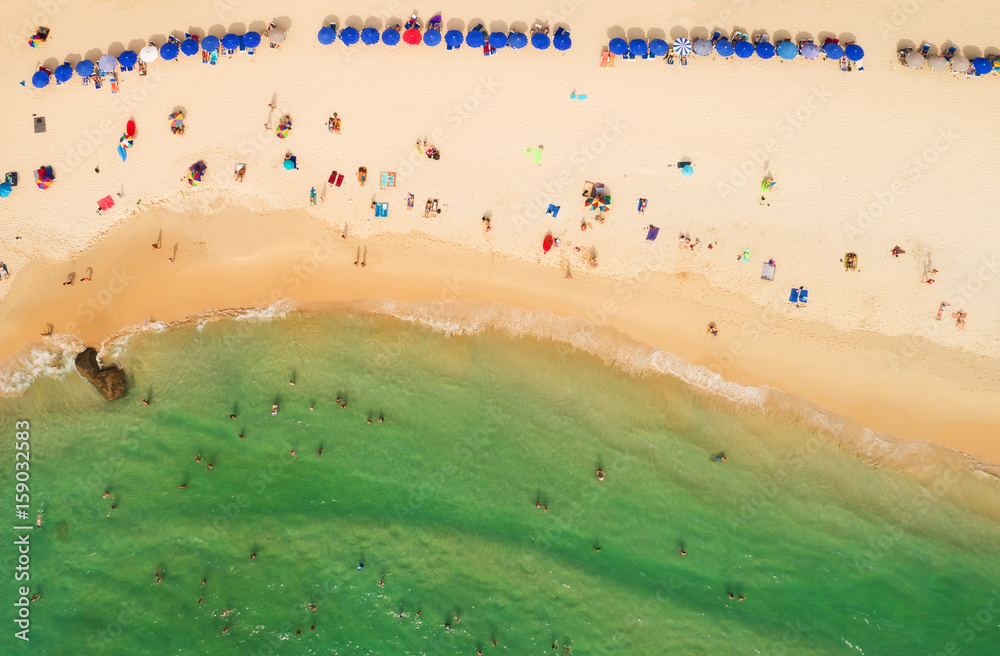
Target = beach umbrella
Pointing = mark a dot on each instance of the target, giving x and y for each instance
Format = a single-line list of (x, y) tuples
[(743, 49), (194, 178), (959, 64), (659, 47), (327, 35), (547, 243), (636, 46), (251, 39), (498, 39), (981, 65), (432, 37), (123, 145), (682, 46), (40, 79), (562, 41), (702, 47), (63, 72), (833, 50), (854, 52), (724, 47), (276, 35), (210, 43), (687, 171), (914, 60), (787, 50), (369, 36), (148, 54), (349, 35), (390, 37), (937, 63), (412, 36), (765, 50), (289, 164), (231, 41), (189, 47), (541, 41), (475, 39), (810, 50), (176, 120), (169, 51), (85, 68), (618, 46), (454, 38), (44, 177), (283, 130), (107, 63), (128, 58), (517, 40), (5, 189)]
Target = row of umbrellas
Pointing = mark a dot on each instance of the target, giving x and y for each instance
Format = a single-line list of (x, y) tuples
[(742, 49), (959, 64), (475, 38), (168, 51)]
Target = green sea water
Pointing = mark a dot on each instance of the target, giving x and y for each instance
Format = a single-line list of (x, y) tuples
[(833, 555)]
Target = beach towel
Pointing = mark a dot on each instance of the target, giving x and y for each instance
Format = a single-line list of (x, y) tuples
[(388, 179), (803, 296), (381, 209), (340, 179), (793, 296), (651, 235), (106, 203), (553, 211), (767, 273), (333, 178), (536, 152), (746, 255), (642, 205)]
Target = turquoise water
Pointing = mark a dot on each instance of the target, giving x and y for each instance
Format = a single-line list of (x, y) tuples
[(834, 555)]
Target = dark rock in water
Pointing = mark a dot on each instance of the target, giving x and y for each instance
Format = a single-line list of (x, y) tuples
[(110, 381)]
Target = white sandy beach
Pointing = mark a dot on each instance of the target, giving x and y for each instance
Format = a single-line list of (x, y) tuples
[(864, 161)]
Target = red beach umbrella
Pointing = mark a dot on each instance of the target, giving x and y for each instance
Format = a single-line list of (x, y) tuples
[(547, 243), (412, 36), (130, 128)]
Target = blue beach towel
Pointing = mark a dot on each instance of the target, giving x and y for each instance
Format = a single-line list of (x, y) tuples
[(793, 297), (553, 210), (651, 235)]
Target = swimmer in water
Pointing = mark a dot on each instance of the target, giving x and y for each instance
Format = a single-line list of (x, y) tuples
[(380, 583), (381, 419), (38, 520), (274, 409), (292, 452), (494, 642), (600, 475), (338, 400), (343, 406), (182, 486), (319, 451), (312, 607), (211, 464), (241, 435), (106, 494), (312, 407), (681, 551), (361, 565), (292, 383), (114, 505), (298, 629), (732, 596), (545, 508), (201, 600), (226, 612), (538, 504), (447, 625), (145, 402), (203, 581), (742, 597), (34, 598), (369, 421), (225, 630), (253, 555), (719, 458), (232, 416), (198, 458), (597, 547)]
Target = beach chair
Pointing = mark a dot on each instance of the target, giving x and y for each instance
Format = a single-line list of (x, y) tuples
[(113, 79), (670, 56), (214, 57), (844, 66), (243, 46), (948, 53), (409, 201), (924, 49)]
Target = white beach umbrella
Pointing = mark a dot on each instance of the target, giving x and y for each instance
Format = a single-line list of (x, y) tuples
[(276, 35), (959, 64), (914, 60), (682, 46), (107, 63), (149, 53), (937, 63)]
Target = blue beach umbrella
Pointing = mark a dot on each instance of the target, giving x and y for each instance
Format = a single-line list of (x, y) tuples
[(562, 41), (618, 46), (682, 46), (327, 35), (107, 63), (369, 36), (231, 41), (390, 37), (251, 39), (854, 52), (169, 51), (128, 59), (517, 40), (659, 47), (743, 49), (349, 36), (475, 39), (765, 50), (453, 38), (432, 37), (637, 47), (724, 47), (540, 41), (85, 68), (787, 50), (687, 171), (189, 47), (5, 189), (498, 39), (980, 64), (210, 43), (40, 79), (833, 50), (63, 72)]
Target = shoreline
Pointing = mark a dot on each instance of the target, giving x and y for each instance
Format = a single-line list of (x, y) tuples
[(229, 260)]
